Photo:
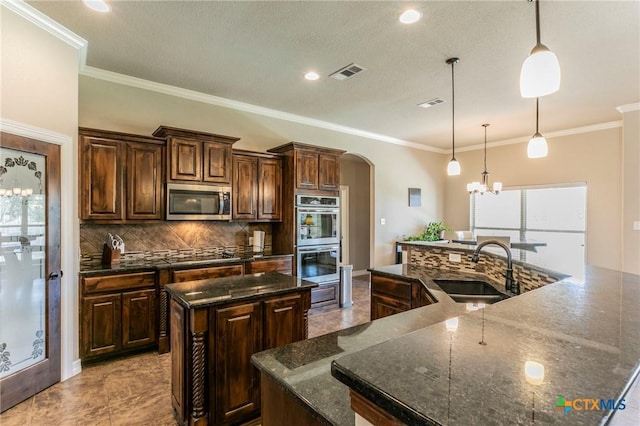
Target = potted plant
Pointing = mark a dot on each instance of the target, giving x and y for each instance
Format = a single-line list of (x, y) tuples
[(434, 231)]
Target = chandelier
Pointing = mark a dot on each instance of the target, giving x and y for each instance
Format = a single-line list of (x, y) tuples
[(483, 186)]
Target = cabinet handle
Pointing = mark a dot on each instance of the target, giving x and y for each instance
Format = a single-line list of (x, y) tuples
[(54, 276)]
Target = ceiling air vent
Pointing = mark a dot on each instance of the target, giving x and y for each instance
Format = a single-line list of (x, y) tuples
[(431, 102), (346, 72)]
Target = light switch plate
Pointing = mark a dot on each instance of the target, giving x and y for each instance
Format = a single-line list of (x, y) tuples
[(636, 225), (454, 257), (383, 221)]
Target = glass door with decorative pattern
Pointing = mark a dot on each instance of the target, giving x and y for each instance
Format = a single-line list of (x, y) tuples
[(29, 267)]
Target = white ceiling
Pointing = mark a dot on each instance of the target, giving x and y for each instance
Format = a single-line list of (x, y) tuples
[(257, 52)]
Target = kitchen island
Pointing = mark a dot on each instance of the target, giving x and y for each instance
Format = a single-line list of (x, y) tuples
[(411, 368), (216, 326)]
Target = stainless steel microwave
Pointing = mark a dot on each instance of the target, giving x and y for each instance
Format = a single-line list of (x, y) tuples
[(198, 202)]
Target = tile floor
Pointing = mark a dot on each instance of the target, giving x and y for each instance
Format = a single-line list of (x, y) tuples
[(136, 390)]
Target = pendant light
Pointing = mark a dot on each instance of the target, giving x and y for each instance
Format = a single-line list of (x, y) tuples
[(453, 168), (537, 147), (540, 74), (482, 187)]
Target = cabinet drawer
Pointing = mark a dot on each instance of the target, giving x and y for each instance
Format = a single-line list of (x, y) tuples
[(282, 265), (207, 273), (110, 283), (399, 289), (324, 294)]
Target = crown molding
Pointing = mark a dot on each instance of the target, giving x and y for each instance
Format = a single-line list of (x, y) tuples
[(166, 89), (42, 21), (628, 108), (31, 132), (547, 135)]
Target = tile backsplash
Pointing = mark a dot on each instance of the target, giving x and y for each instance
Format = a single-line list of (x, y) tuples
[(492, 266), (149, 238)]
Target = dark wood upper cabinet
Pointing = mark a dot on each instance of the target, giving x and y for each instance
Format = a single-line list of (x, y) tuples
[(245, 190), (257, 187), (306, 164), (101, 174), (312, 168), (144, 181), (121, 176), (194, 156), (185, 159), (269, 189), (328, 172), (217, 162)]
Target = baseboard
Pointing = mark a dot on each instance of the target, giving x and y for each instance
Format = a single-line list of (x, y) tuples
[(360, 272), (76, 367)]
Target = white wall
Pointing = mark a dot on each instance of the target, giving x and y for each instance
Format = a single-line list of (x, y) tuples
[(39, 86), (112, 106), (593, 157), (631, 190)]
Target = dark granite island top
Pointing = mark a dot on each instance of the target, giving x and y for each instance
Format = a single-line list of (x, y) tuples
[(585, 334), (304, 368), (218, 291)]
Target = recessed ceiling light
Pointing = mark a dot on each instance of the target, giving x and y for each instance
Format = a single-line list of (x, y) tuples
[(311, 75), (410, 16), (97, 5)]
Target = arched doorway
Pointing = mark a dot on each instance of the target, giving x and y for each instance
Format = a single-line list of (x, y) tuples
[(356, 174)]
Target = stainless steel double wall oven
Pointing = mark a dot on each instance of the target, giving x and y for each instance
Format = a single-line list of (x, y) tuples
[(318, 237)]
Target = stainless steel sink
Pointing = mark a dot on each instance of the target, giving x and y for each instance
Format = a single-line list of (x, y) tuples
[(470, 291)]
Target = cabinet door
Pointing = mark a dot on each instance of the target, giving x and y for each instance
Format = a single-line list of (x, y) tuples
[(207, 273), (328, 172), (244, 187), (217, 162), (138, 318), (237, 385), (101, 178), (185, 159), (383, 306), (306, 169), (144, 181), (283, 321), (101, 325), (269, 189)]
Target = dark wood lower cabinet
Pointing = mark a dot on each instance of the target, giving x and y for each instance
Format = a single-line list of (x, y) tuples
[(138, 318), (280, 407), (117, 314), (212, 378), (383, 306), (237, 336), (101, 325), (391, 296)]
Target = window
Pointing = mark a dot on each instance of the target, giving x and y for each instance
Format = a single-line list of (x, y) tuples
[(552, 215)]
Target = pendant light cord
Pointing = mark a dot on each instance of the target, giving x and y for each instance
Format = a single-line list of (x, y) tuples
[(537, 115), (485, 147), (453, 113), (537, 22)]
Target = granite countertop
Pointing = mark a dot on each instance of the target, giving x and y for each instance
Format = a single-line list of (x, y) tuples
[(183, 262), (585, 334), (304, 368), (211, 292)]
